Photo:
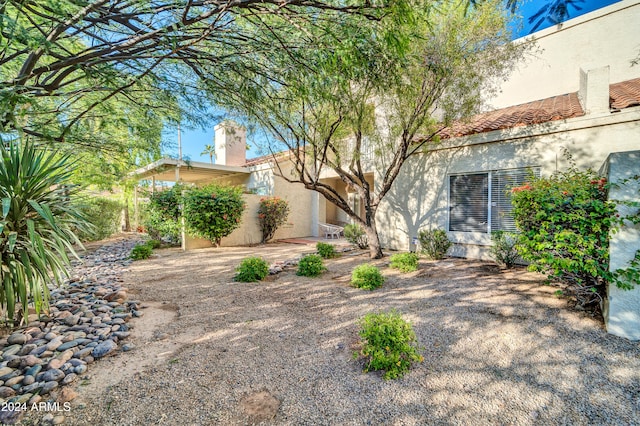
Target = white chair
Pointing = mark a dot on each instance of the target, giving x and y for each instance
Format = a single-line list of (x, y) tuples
[(330, 230)]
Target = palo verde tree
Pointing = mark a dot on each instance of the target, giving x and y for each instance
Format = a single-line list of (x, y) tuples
[(65, 63), (371, 94)]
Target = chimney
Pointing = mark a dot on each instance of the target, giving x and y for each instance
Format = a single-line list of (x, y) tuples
[(231, 144), (594, 90)]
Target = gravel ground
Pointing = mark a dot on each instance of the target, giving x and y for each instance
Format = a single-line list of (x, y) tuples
[(499, 348)]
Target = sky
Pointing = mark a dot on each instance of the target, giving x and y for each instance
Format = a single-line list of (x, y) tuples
[(194, 140)]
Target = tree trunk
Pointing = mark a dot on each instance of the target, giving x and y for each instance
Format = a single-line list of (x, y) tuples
[(127, 223), (375, 250)]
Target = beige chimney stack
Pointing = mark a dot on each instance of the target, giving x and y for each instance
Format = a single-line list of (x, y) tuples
[(231, 144), (594, 90)]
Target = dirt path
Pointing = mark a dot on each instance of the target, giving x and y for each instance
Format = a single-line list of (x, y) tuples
[(499, 348)]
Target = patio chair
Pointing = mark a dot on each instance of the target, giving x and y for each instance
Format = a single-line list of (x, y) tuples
[(331, 230)]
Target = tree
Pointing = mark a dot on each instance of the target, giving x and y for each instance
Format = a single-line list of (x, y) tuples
[(65, 63), (381, 94), (209, 150)]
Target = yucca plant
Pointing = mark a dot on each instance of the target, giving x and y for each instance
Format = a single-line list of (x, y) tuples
[(35, 228)]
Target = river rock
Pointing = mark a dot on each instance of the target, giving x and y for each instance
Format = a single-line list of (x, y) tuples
[(49, 386), (17, 339), (14, 381), (103, 349), (11, 350), (28, 380), (27, 349), (6, 392), (69, 378), (30, 361), (52, 375)]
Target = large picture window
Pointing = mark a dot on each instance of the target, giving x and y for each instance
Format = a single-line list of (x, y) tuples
[(481, 202)]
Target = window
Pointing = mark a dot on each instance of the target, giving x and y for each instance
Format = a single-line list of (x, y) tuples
[(481, 202)]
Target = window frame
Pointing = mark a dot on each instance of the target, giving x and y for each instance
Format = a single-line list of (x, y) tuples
[(490, 175)]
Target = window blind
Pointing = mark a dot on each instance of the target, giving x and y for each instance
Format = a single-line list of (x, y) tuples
[(469, 197), (501, 183)]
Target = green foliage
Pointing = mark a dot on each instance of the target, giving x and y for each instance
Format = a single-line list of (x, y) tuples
[(356, 235), (627, 278), (36, 225), (311, 266), (154, 244), (162, 219), (565, 222), (405, 262), (103, 213), (326, 251), (389, 344), (272, 213), (141, 251), (213, 212), (504, 249), (252, 269), (366, 277), (434, 243)]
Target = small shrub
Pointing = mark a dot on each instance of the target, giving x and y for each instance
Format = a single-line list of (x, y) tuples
[(326, 251), (141, 251), (252, 269), (154, 244), (213, 212), (311, 266), (504, 250), (272, 213), (434, 243), (366, 277), (389, 344), (405, 262), (356, 235)]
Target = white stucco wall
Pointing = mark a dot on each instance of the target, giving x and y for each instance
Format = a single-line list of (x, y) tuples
[(606, 37), (419, 197), (622, 307)]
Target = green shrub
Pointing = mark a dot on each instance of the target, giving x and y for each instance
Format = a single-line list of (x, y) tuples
[(272, 213), (141, 251), (103, 213), (434, 243), (405, 262), (366, 277), (252, 269), (326, 251), (36, 224), (565, 221), (389, 344), (311, 266), (154, 244), (162, 218), (356, 235), (504, 249), (213, 212)]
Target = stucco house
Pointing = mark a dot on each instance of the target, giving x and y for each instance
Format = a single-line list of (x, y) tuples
[(579, 95)]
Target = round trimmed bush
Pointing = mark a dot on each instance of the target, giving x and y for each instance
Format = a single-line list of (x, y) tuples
[(252, 269), (388, 343), (141, 251), (405, 262), (326, 251), (366, 277), (311, 266)]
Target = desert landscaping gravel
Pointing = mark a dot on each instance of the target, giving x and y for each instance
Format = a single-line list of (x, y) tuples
[(499, 348)]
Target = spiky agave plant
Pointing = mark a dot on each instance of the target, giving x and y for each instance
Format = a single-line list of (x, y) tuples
[(35, 229)]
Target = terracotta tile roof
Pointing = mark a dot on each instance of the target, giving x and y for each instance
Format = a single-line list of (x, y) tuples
[(625, 94), (555, 108), (268, 158), (621, 95)]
